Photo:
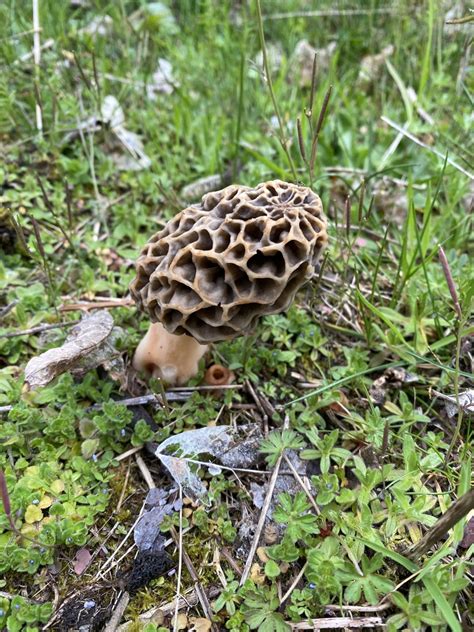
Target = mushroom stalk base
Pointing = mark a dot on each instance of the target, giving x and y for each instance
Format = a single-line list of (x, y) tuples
[(173, 359)]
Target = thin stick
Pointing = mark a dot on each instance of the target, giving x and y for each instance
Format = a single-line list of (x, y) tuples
[(191, 599), (450, 281), (38, 330), (263, 514), (417, 141), (180, 560), (303, 486), (327, 13), (319, 125), (117, 614), (378, 608), (203, 600), (145, 472), (456, 512), (334, 623), (293, 585), (37, 60), (283, 139)]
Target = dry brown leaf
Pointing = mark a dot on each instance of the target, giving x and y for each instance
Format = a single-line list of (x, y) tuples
[(180, 622), (86, 338), (303, 58), (81, 561), (468, 537), (200, 624), (256, 574)]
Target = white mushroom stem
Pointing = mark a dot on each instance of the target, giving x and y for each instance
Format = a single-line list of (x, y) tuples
[(174, 359)]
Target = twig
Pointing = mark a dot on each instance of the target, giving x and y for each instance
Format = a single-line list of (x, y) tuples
[(145, 472), (450, 281), (191, 599), (378, 608), (283, 139), (293, 585), (86, 305), (117, 614), (456, 512), (333, 623), (8, 308), (263, 514), (172, 394), (231, 561), (417, 141), (328, 13), (109, 561), (37, 60), (38, 330), (203, 600), (128, 453), (180, 559), (303, 486)]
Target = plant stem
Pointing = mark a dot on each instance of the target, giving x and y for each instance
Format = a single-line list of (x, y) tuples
[(283, 139)]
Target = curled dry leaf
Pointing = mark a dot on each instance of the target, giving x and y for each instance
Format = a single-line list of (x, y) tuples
[(303, 58), (100, 25), (464, 402), (87, 346), (468, 537), (274, 59), (147, 534), (180, 622), (371, 67), (195, 190), (111, 117), (392, 378), (230, 447), (82, 560), (162, 80), (200, 624)]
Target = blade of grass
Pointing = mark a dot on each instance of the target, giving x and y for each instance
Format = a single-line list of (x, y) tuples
[(344, 380), (442, 603), (393, 555)]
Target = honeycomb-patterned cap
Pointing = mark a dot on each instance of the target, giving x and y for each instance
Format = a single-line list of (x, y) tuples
[(218, 266)]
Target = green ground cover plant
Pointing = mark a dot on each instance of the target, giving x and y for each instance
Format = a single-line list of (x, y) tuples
[(366, 382)]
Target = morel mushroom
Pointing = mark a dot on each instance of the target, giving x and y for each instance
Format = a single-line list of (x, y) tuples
[(219, 265)]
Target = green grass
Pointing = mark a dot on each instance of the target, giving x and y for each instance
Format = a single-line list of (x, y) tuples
[(71, 225)]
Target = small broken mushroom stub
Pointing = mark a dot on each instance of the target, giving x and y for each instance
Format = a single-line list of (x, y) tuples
[(220, 265)]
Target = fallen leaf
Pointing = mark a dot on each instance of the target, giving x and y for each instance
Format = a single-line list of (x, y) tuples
[(468, 537), (195, 190), (180, 622), (392, 378), (99, 25), (80, 351), (274, 60), (162, 80), (200, 624), (256, 574), (147, 534), (82, 560), (303, 58), (465, 402), (112, 118), (371, 67), (232, 447)]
